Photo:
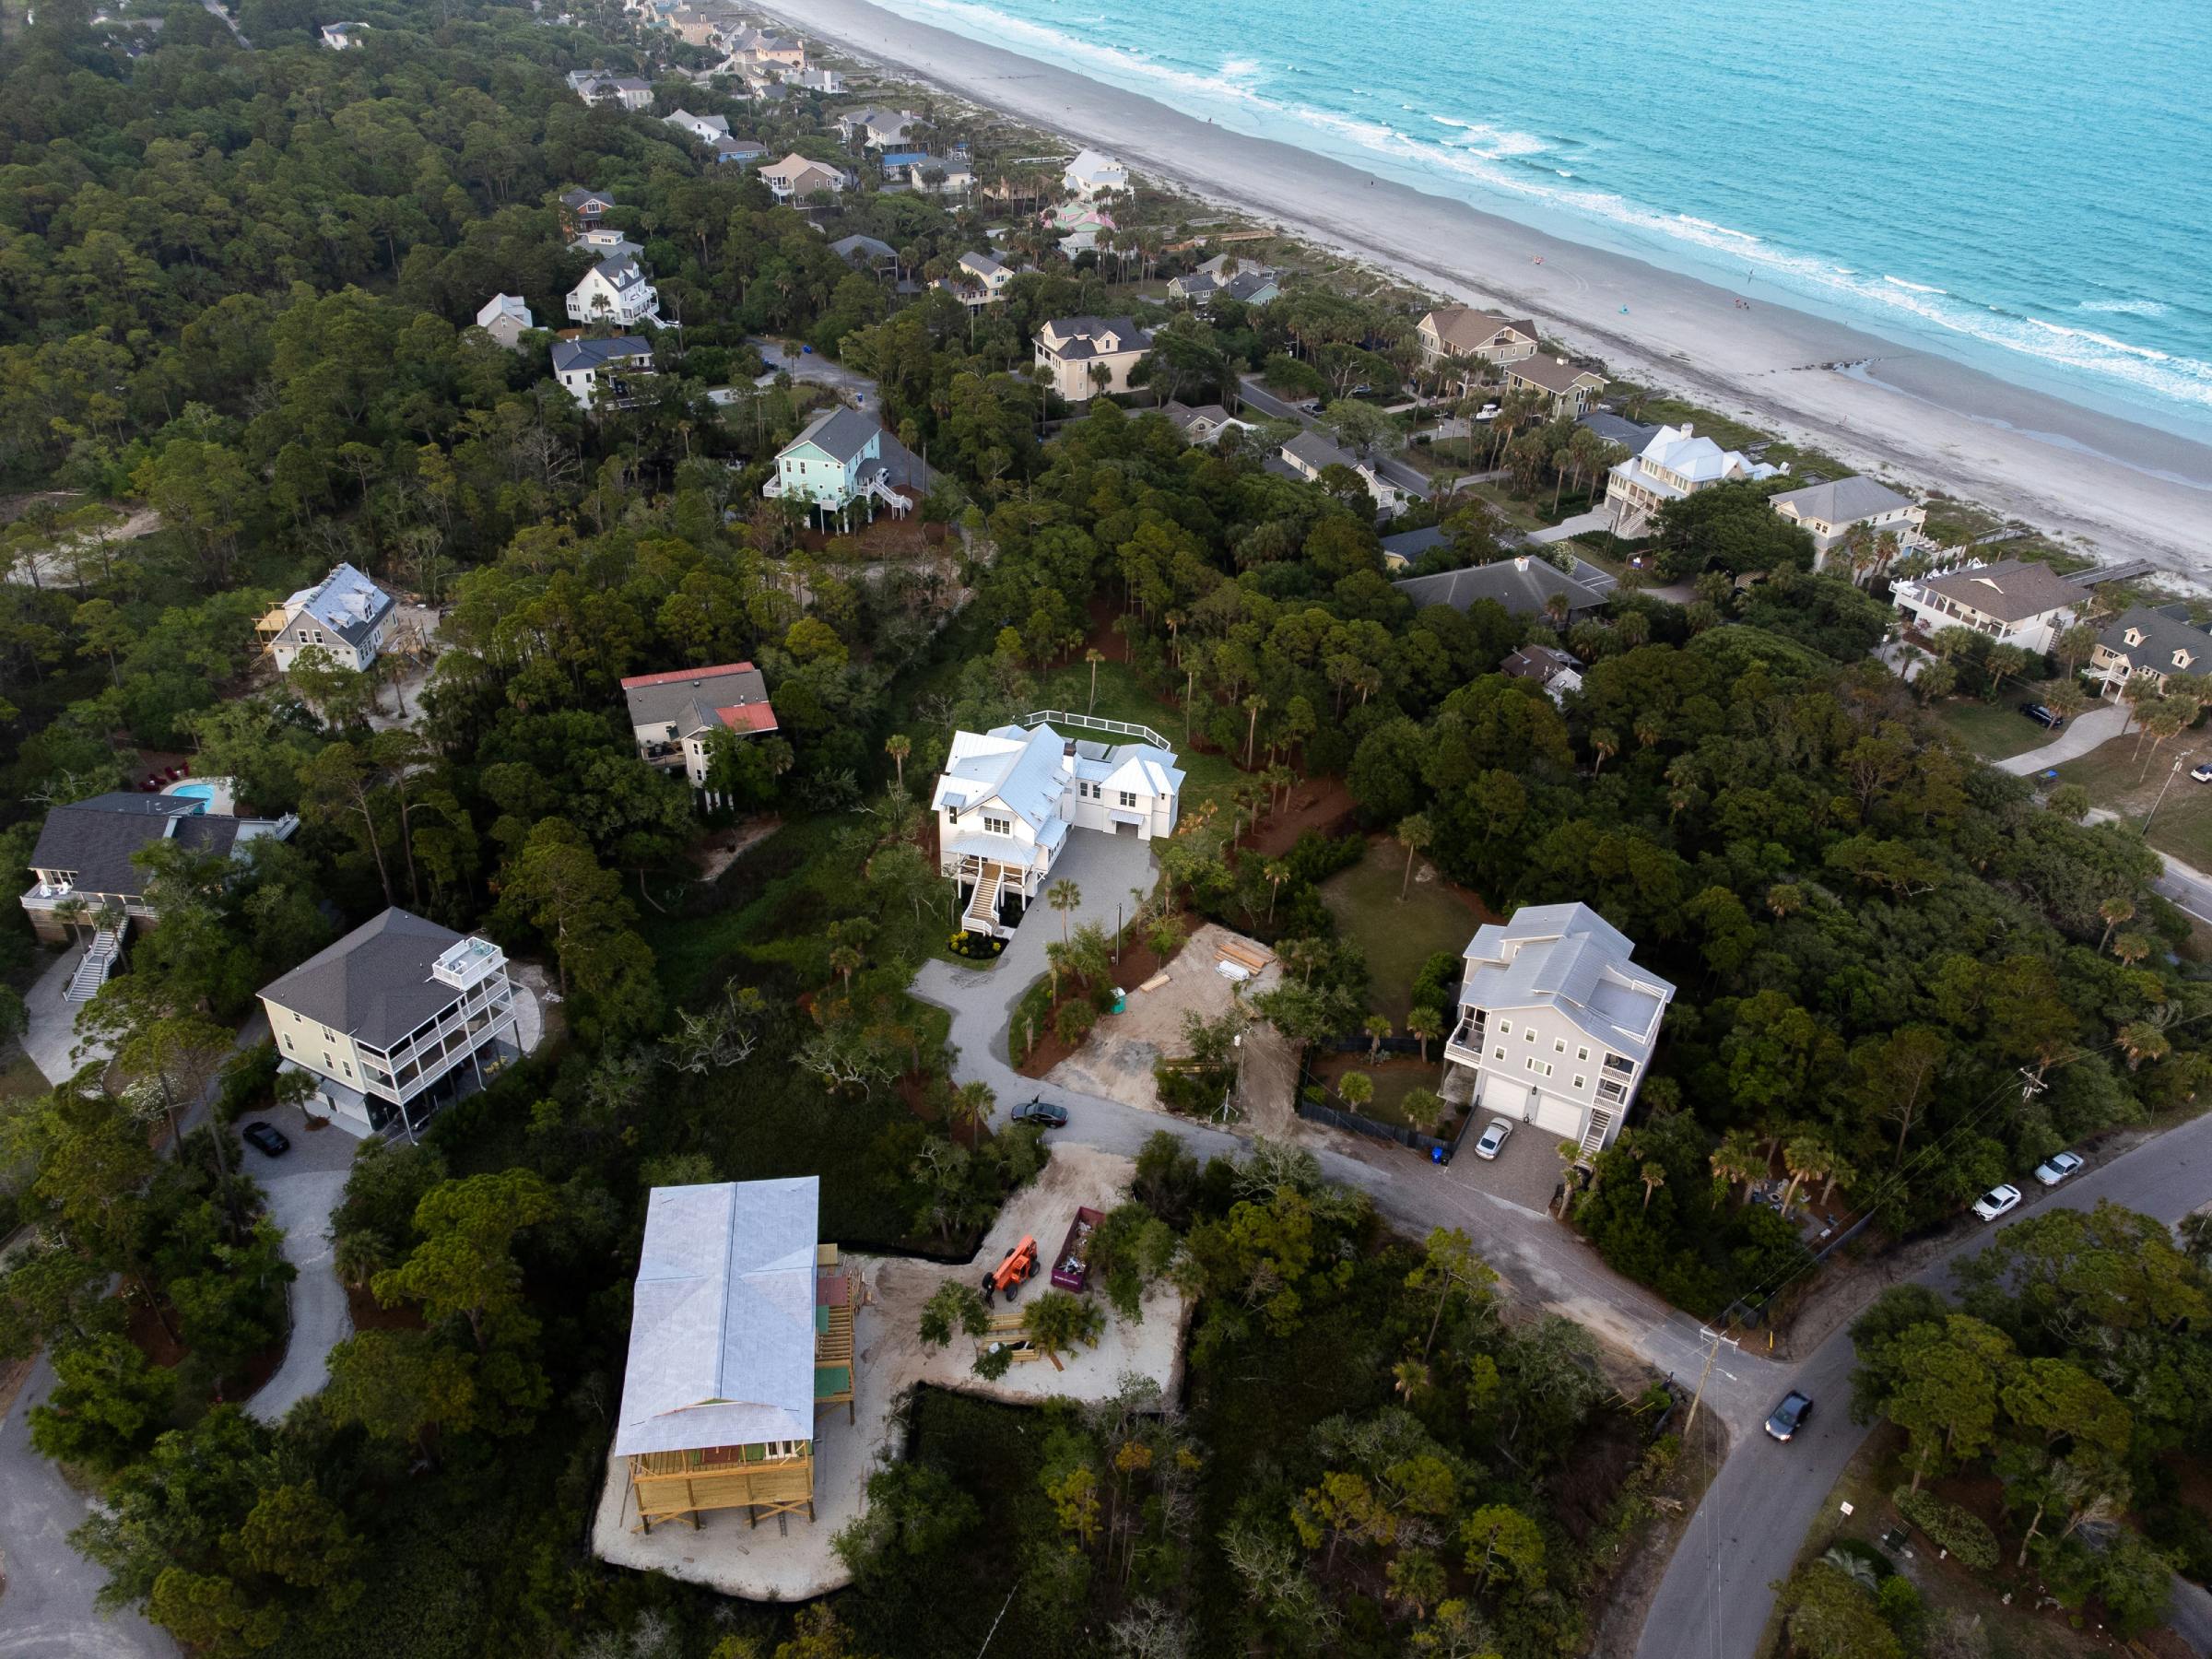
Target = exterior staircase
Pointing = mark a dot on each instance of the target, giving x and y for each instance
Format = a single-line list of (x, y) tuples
[(1594, 1137), (93, 971), (879, 487), (981, 915)]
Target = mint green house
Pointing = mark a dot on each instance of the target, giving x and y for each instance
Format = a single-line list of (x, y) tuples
[(844, 459)]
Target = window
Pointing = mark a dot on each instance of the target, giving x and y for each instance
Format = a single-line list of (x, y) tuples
[(288, 1040), (997, 826), (1500, 1054), (1582, 1054), (1128, 798), (1578, 1080), (1505, 1028), (1559, 1045), (1541, 1067), (1528, 1033)]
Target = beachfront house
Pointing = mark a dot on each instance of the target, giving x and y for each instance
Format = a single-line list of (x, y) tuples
[(1078, 225), (395, 1019), (873, 128), (1092, 174), (84, 878), (601, 375), (1556, 1024), (1676, 462), (760, 50), (1565, 389), (1829, 513), (740, 1327), (2012, 602), (1545, 667), (1526, 584), (842, 459), (1455, 331), (343, 616), (2148, 645), (1311, 450), (796, 177), (506, 318), (692, 27), (1087, 355), (673, 716), (615, 291), (1008, 797)]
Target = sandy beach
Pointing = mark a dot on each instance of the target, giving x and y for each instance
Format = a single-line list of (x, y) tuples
[(2125, 490)]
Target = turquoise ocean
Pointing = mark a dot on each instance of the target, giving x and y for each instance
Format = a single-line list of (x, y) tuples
[(2025, 186)]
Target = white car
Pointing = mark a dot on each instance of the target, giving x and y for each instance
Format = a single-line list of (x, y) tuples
[(2201, 774), (2059, 1166), (1996, 1201), (1493, 1138)]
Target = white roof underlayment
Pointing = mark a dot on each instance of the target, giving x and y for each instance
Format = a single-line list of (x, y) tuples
[(722, 1328)]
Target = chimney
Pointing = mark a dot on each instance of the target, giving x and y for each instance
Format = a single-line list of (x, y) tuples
[(1520, 561), (1068, 756), (1688, 431)]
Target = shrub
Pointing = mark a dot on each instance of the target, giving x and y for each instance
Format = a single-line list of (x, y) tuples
[(1073, 1022), (1949, 1528)]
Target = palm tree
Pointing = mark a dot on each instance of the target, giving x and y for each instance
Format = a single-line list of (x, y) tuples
[(1378, 1028), (1276, 872), (2114, 912), (1094, 656), (1356, 1089), (972, 1104), (1065, 896), (1415, 833), (897, 746), (843, 961), (1424, 1109), (1605, 744), (1253, 706), (1807, 1158), (1570, 1155), (1654, 1176), (1739, 1159), (1425, 1024)]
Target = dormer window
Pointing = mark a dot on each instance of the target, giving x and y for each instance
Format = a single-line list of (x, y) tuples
[(2135, 636)]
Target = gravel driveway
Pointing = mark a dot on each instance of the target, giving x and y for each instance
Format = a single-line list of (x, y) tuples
[(304, 1187)]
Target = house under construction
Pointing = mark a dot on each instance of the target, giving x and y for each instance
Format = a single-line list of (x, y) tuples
[(741, 1329)]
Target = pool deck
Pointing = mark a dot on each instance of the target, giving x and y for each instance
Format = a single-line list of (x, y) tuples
[(217, 792)]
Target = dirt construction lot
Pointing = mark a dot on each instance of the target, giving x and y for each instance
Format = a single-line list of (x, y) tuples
[(1117, 1061), (790, 1559)]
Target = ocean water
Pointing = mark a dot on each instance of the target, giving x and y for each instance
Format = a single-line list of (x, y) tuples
[(2025, 186)]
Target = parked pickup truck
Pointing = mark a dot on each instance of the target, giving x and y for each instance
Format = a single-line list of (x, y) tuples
[(1071, 1268)]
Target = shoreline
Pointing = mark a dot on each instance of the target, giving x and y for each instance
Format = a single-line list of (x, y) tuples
[(1924, 420)]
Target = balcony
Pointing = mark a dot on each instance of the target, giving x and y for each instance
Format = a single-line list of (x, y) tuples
[(1464, 1047), (1624, 1067)]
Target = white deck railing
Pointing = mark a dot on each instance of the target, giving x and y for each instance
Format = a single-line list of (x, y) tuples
[(1121, 728)]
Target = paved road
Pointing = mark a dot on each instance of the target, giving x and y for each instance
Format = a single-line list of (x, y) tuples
[(304, 1187), (1546, 1266), (2190, 1615), (812, 369), (47, 1612), (1718, 1590), (2085, 732)]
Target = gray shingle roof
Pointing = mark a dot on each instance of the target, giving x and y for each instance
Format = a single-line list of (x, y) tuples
[(1844, 502), (845, 247), (1521, 584), (2011, 590), (345, 603), (1077, 336), (597, 354), (1316, 450), (375, 983), (2163, 633), (691, 702), (96, 838)]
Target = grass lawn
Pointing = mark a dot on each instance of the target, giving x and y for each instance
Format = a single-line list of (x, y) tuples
[(1994, 731), (1398, 937), (1394, 1076), (2116, 779), (1120, 697)]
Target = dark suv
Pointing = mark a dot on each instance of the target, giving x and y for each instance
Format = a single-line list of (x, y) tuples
[(266, 1139), (2044, 716), (1792, 1415)]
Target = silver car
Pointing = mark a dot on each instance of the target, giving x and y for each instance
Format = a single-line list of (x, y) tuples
[(2057, 1168), (1493, 1138)]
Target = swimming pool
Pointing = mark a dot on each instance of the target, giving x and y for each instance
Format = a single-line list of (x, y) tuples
[(198, 792)]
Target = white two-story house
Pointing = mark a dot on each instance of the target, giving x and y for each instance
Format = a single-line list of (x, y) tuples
[(1674, 463), (1828, 512), (1556, 1024), (842, 458), (602, 374), (343, 616), (393, 1021), (1093, 174), (1008, 797), (615, 291)]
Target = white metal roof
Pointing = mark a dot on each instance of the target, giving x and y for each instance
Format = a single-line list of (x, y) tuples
[(722, 1326)]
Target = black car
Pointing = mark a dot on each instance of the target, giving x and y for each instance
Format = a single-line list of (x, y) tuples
[(1792, 1415), (267, 1138), (1042, 1111), (2044, 716)]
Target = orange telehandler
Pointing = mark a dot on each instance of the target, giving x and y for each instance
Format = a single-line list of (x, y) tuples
[(1019, 1265)]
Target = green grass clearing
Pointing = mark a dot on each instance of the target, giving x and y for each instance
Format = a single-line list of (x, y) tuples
[(1397, 936), (2119, 780), (1394, 1076), (1994, 731)]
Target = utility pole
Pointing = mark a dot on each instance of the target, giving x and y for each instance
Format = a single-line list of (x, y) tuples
[(2178, 761), (1713, 1352)]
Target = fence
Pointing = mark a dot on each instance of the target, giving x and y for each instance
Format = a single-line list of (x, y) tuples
[(1120, 727), (1310, 1105)]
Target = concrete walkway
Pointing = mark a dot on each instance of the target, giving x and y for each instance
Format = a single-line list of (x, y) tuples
[(2085, 732), (50, 1030), (304, 1187), (1581, 524)]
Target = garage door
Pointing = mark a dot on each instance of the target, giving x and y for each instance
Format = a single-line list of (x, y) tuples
[(1124, 827), (1556, 1116), (1506, 1095)]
